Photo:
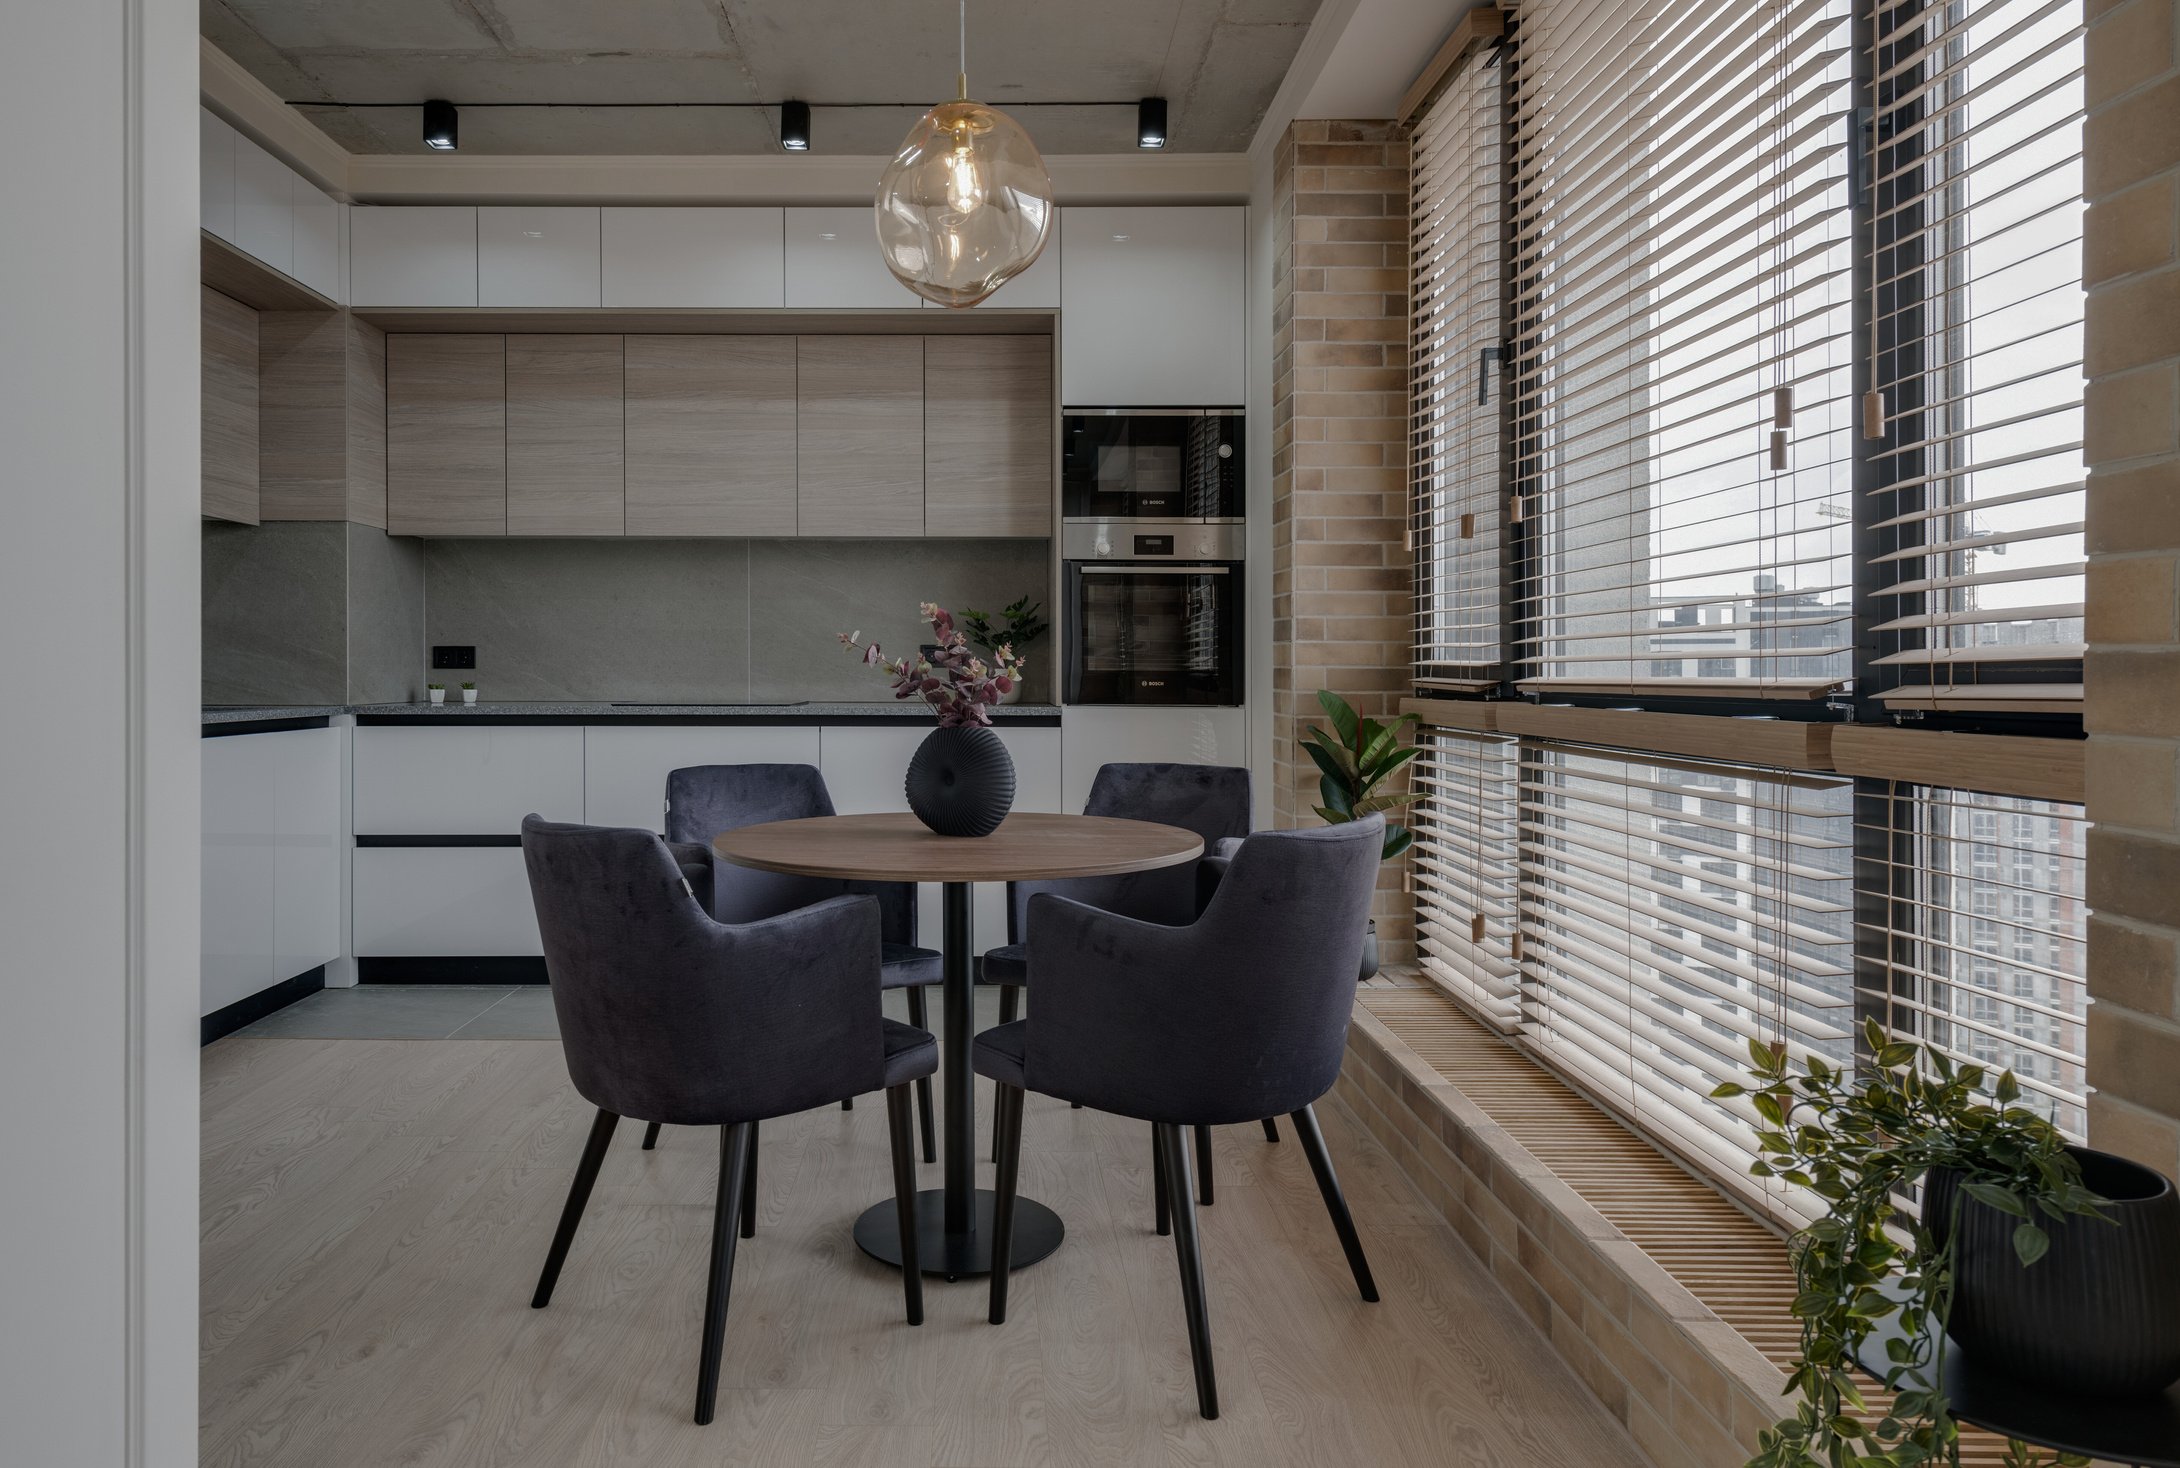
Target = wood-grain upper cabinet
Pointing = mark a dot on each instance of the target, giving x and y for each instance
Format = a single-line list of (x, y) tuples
[(564, 435), (229, 406), (859, 423), (987, 437), (711, 435), (446, 434)]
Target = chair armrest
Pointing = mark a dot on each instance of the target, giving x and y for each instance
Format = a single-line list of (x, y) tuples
[(798, 1004)]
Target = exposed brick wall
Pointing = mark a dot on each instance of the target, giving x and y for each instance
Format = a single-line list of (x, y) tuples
[(2131, 263), (1340, 575)]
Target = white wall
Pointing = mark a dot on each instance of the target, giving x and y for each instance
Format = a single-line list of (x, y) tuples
[(98, 620)]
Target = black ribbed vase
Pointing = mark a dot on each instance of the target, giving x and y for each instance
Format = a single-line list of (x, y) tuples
[(2099, 1314), (961, 781)]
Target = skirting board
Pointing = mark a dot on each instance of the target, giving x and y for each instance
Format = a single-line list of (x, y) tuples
[(513, 969), (221, 1023)]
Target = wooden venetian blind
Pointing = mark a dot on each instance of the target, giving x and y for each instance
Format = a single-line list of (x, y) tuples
[(1682, 342), (1671, 911), (1976, 342), (1466, 929), (1456, 332)]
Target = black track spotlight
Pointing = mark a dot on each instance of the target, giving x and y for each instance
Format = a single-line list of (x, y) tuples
[(1150, 123), (795, 126), (442, 126)]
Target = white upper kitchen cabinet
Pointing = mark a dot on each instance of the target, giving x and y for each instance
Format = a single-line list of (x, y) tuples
[(215, 174), (696, 257), (264, 206), (832, 261), (422, 256), (317, 219), (1037, 288), (537, 256), (1152, 307)]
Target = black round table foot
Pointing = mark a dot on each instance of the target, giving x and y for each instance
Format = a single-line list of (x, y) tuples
[(1037, 1232)]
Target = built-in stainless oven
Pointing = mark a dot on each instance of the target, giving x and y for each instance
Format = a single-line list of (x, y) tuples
[(1150, 464), (1154, 611)]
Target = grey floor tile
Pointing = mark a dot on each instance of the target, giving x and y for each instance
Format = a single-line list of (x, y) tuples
[(381, 1012), (525, 1014)]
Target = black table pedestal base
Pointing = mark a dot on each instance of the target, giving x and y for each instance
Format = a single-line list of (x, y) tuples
[(1037, 1232)]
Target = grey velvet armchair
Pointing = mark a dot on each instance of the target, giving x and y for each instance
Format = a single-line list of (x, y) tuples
[(1211, 800), (670, 1016), (1240, 1015), (704, 800)]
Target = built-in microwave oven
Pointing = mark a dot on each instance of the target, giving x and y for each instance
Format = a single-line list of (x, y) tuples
[(1154, 612), (1151, 464)]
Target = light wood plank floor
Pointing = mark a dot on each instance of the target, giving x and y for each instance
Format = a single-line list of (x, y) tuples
[(375, 1213)]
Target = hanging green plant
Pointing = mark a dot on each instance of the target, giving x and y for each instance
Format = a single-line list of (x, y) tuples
[(1861, 1141)]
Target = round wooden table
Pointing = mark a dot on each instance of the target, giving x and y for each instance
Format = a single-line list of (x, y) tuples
[(954, 1222)]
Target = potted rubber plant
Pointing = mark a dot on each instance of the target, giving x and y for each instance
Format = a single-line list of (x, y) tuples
[(2012, 1259), (1355, 756)]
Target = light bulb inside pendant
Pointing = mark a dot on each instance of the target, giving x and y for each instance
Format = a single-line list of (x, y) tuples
[(966, 205)]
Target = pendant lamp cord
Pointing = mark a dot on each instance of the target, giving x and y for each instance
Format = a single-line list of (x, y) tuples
[(961, 80)]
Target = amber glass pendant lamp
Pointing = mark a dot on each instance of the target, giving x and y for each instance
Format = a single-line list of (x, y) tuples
[(966, 205)]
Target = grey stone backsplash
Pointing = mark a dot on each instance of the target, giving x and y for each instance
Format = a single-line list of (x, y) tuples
[(708, 621), (331, 613)]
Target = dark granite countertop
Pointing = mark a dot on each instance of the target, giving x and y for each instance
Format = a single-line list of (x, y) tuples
[(886, 712)]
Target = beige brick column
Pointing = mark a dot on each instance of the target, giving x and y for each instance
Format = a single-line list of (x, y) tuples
[(1340, 570), (2131, 264)]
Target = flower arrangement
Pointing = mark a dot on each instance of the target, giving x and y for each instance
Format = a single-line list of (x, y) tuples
[(960, 686)]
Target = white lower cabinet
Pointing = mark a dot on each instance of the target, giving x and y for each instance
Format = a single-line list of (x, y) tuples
[(271, 860), (475, 781), (866, 770), (442, 902), (625, 769), (1098, 736)]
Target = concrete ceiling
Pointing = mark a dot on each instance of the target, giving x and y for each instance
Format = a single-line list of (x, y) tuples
[(1218, 62)]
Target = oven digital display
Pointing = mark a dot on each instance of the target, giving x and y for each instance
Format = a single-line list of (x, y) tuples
[(1154, 545)]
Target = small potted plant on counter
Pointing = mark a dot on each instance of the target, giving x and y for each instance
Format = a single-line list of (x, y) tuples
[(1018, 625), (1354, 757), (961, 780), (469, 694), (2052, 1264), (436, 692)]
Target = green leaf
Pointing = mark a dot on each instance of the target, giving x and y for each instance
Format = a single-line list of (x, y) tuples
[(1338, 797), (1342, 757), (2030, 1243), (1991, 1195), (1768, 1107), (1387, 764), (1340, 712), (1727, 1090), (1397, 840), (2008, 1089), (1327, 763)]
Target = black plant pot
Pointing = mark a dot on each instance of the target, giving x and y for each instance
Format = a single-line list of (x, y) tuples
[(1370, 952), (961, 782), (2099, 1314)]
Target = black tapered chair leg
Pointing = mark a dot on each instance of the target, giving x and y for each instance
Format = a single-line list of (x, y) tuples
[(1010, 1003), (1007, 1109), (1343, 1223), (925, 1117), (904, 1198), (735, 1144), (1271, 1130), (1158, 1181), (571, 1214), (1188, 1248), (650, 1136), (1203, 1165), (848, 1105), (749, 1187)]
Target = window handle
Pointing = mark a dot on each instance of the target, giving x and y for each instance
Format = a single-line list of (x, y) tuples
[(1484, 359)]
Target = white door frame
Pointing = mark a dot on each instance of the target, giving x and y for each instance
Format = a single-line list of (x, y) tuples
[(98, 764)]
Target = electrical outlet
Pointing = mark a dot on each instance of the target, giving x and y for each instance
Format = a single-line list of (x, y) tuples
[(454, 657)]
